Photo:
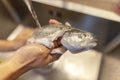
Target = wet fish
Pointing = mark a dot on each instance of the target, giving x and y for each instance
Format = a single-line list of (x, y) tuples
[(73, 39)]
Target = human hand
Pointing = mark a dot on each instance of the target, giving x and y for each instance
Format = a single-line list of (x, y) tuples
[(38, 54), (27, 57)]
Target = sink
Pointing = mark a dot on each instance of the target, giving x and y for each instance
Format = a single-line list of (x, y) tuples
[(7, 23), (82, 66), (105, 30)]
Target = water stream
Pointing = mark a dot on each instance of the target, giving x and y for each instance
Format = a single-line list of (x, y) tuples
[(32, 11)]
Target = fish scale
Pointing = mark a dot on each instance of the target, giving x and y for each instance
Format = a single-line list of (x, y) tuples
[(73, 39)]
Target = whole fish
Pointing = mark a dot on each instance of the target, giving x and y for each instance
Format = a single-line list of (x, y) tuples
[(73, 39)]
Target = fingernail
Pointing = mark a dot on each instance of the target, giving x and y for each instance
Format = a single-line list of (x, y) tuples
[(67, 23)]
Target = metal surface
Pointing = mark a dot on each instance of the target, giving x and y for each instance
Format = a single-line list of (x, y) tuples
[(113, 44), (104, 30), (82, 66), (7, 23), (83, 6)]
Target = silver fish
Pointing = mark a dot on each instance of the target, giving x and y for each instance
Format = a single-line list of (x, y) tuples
[(73, 39)]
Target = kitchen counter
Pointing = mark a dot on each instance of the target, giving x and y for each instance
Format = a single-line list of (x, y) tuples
[(87, 7)]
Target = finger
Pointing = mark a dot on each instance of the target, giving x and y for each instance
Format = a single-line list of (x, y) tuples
[(53, 21), (67, 23), (59, 50), (57, 42), (53, 57)]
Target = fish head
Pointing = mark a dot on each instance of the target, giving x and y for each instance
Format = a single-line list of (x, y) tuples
[(77, 40)]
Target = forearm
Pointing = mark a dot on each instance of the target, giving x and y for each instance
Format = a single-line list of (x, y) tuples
[(23, 60), (11, 70), (20, 40), (6, 45)]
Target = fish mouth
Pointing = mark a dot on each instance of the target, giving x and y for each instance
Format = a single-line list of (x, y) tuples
[(92, 43)]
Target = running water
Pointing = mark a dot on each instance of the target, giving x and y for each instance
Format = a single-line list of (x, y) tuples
[(32, 11)]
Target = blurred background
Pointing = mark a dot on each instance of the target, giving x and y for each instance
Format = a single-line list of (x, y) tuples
[(101, 17)]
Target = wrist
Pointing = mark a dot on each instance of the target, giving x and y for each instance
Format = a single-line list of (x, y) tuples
[(15, 65)]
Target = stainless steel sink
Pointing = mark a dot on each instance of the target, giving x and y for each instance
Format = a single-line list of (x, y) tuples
[(105, 30), (81, 66), (7, 23)]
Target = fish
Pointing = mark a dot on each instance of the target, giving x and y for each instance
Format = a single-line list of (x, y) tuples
[(73, 39)]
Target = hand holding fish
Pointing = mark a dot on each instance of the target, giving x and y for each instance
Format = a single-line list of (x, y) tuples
[(26, 58)]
